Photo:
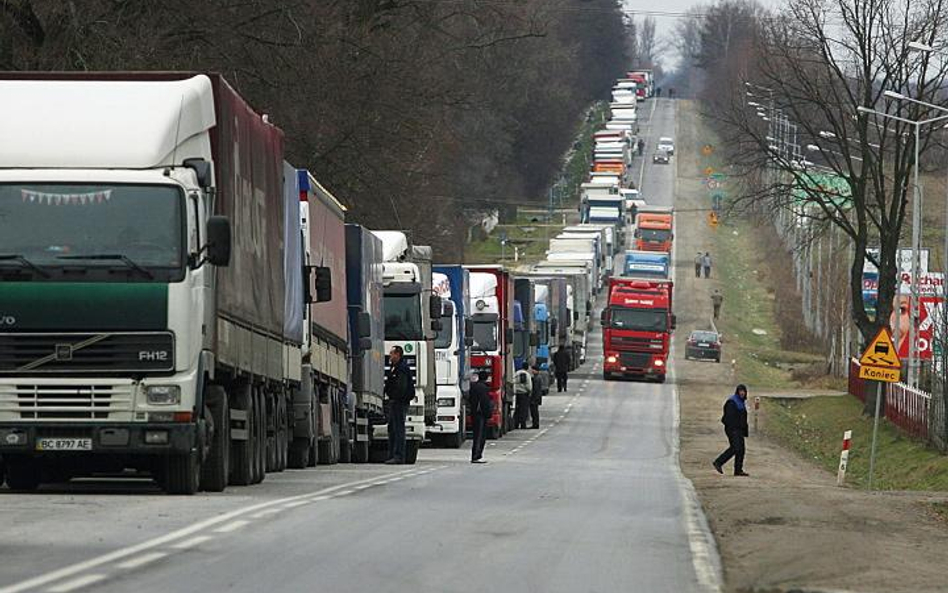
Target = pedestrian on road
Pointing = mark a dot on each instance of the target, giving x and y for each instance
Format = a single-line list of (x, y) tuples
[(716, 300), (699, 259), (641, 146), (706, 264), (400, 389), (735, 427), (536, 397), (562, 361), (523, 387), (481, 409)]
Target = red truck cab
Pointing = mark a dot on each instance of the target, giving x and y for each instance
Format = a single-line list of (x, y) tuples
[(636, 328)]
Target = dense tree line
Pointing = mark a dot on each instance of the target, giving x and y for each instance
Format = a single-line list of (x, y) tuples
[(411, 111)]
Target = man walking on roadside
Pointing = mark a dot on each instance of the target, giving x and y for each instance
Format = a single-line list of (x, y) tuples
[(698, 260), (717, 299), (481, 409), (536, 397), (562, 361), (400, 390), (735, 427), (706, 264)]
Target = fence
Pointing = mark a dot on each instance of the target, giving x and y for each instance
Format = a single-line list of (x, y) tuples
[(908, 408)]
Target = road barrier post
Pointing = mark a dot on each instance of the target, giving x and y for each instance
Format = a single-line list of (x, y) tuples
[(844, 458), (756, 411)]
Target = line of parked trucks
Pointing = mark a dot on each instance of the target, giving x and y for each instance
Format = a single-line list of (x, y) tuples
[(178, 299)]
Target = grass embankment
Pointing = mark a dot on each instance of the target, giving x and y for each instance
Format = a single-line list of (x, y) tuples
[(529, 234), (815, 427), (752, 335)]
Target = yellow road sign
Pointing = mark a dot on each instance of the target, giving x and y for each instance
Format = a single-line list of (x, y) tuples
[(709, 171), (881, 352), (707, 149), (713, 219), (884, 374)]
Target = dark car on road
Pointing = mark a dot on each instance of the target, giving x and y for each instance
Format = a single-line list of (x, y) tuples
[(660, 157), (704, 345)]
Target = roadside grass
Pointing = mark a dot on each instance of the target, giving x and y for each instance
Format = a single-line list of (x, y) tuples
[(941, 510), (748, 306), (529, 234), (814, 428)]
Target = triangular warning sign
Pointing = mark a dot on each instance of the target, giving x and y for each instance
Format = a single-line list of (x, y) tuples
[(881, 351)]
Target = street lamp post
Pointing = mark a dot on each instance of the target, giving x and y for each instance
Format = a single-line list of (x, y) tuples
[(916, 225)]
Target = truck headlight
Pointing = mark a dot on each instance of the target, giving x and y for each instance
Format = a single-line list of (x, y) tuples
[(659, 363), (163, 395), (447, 402), (611, 359)]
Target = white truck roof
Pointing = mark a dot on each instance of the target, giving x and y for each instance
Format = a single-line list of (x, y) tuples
[(394, 245), (100, 124)]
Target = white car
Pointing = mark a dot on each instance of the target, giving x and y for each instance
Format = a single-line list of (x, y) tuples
[(666, 144)]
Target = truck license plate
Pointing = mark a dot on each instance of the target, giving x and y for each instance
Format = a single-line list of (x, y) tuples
[(703, 345), (53, 444)]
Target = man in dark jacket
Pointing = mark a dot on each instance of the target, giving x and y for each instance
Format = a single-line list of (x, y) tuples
[(536, 397), (400, 390), (481, 409), (735, 427), (562, 361)]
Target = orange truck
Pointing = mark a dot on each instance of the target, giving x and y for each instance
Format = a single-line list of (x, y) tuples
[(610, 166), (654, 231)]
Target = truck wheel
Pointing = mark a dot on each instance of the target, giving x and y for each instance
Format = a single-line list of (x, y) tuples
[(261, 407), (606, 376), (360, 452), (23, 475), (242, 452), (329, 450), (217, 463), (456, 440), (281, 433), (411, 452), (378, 454), (661, 379), (299, 454), (272, 449), (183, 473), (493, 433)]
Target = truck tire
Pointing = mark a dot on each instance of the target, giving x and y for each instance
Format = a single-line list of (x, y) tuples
[(283, 432), (182, 473), (23, 475), (261, 450), (378, 454), (272, 449), (411, 451), (661, 379), (216, 465), (606, 376), (299, 454), (360, 451), (243, 458), (328, 450), (345, 451), (493, 433)]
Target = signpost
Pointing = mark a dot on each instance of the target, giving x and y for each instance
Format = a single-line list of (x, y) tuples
[(879, 362)]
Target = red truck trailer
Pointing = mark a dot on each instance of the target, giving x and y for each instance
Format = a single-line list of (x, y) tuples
[(636, 328)]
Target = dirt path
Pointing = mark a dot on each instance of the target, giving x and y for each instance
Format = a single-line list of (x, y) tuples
[(787, 527)]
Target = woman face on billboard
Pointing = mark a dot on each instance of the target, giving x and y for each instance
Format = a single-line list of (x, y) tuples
[(899, 320)]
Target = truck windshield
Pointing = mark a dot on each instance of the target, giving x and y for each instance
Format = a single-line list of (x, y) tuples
[(661, 235), (521, 343), (54, 225), (485, 336), (446, 335), (653, 320), (403, 317)]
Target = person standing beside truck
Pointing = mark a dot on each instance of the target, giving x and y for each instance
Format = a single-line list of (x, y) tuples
[(735, 427), (562, 361), (706, 264), (400, 389), (481, 409), (536, 397), (699, 259), (523, 387)]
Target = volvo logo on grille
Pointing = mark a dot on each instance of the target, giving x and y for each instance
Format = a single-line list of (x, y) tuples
[(7, 320), (63, 352)]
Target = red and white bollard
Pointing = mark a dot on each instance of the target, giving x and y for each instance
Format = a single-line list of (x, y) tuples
[(844, 458), (756, 411)]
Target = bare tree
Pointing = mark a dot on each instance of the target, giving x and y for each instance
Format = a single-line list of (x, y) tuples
[(648, 43)]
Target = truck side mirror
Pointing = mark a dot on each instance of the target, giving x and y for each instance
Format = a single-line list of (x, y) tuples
[(589, 305), (534, 339), (552, 328), (509, 335), (469, 328), (218, 241), (469, 341), (674, 321), (364, 324), (604, 318), (436, 325), (202, 170), (365, 344), (575, 315), (323, 284), (435, 309)]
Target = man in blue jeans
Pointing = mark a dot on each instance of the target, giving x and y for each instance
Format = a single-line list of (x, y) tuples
[(400, 389)]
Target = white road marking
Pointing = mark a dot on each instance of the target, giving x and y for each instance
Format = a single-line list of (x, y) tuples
[(194, 541), (296, 503), (266, 513), (363, 486), (343, 493), (79, 567), (232, 526), (142, 560), (74, 584)]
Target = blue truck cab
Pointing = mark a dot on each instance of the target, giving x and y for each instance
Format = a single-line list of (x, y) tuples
[(647, 264), (452, 354)]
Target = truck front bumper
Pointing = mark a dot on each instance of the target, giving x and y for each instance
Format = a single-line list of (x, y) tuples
[(106, 438)]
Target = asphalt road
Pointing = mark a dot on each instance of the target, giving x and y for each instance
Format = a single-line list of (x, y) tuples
[(592, 502)]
